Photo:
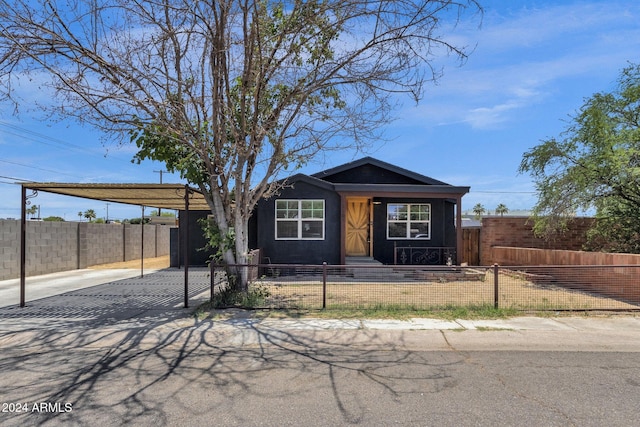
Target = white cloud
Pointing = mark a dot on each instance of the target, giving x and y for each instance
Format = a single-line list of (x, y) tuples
[(486, 117), (531, 26), (531, 58)]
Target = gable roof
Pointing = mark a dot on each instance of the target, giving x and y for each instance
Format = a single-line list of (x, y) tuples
[(327, 174), (407, 183)]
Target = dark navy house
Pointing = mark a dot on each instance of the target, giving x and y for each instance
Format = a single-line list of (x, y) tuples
[(363, 209)]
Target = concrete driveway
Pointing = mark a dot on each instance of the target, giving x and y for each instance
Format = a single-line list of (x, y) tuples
[(126, 352), (48, 285), (94, 298)]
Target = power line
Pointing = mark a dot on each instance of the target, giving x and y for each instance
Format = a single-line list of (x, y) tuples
[(54, 142), (37, 168), (15, 179), (40, 138), (37, 137)]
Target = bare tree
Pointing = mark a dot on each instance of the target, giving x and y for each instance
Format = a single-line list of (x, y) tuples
[(229, 93)]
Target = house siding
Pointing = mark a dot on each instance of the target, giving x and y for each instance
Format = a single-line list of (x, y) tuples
[(442, 228), (300, 251), (198, 256), (367, 178)]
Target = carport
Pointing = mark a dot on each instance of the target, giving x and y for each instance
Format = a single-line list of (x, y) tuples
[(160, 196)]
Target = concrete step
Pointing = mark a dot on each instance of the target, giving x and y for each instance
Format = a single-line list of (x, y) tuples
[(361, 260)]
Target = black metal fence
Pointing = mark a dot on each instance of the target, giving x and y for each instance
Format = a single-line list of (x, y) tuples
[(422, 255), (556, 288)]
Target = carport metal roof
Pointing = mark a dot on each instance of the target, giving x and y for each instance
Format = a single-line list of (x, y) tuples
[(163, 196)]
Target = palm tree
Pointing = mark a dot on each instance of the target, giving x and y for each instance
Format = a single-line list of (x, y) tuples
[(89, 214), (479, 210), (501, 209), (80, 215), (32, 210)]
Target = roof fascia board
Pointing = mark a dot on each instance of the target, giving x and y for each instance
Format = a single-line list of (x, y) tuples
[(311, 180)]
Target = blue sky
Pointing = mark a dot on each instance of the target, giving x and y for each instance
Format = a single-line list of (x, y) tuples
[(533, 64)]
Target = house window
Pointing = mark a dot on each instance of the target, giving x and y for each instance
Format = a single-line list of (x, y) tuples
[(300, 219), (408, 221)]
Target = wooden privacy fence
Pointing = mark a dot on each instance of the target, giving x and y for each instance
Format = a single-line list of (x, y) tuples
[(471, 245), (504, 255)]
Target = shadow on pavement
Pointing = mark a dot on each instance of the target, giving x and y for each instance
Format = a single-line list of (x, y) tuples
[(199, 374), (127, 352), (156, 296)]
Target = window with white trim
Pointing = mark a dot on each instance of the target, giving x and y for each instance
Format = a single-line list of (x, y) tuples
[(408, 221), (299, 219)]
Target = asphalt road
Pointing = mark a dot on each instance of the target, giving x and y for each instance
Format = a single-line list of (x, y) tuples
[(247, 373)]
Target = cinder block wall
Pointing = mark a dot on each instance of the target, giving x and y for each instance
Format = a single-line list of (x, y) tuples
[(163, 241), (156, 241), (51, 247), (9, 249), (61, 246), (108, 237)]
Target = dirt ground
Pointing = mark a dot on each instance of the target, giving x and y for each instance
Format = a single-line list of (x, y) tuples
[(152, 263), (513, 293)]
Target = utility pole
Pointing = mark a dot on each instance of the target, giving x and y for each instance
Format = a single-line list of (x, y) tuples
[(160, 172)]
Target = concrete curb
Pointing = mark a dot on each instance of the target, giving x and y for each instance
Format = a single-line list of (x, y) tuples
[(524, 323)]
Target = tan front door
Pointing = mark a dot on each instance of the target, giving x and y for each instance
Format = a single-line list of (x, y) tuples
[(358, 227)]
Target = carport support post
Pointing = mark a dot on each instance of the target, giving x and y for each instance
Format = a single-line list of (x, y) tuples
[(142, 244), (23, 245), (459, 234), (185, 223)]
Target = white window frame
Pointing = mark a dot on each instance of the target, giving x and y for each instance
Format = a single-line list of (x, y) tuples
[(299, 218), (408, 221)]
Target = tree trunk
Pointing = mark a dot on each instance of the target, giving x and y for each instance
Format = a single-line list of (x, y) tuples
[(242, 249), (228, 257)]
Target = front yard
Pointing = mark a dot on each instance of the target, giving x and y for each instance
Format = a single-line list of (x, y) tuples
[(514, 292)]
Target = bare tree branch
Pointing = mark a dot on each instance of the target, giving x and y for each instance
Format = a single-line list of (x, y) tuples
[(229, 92)]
